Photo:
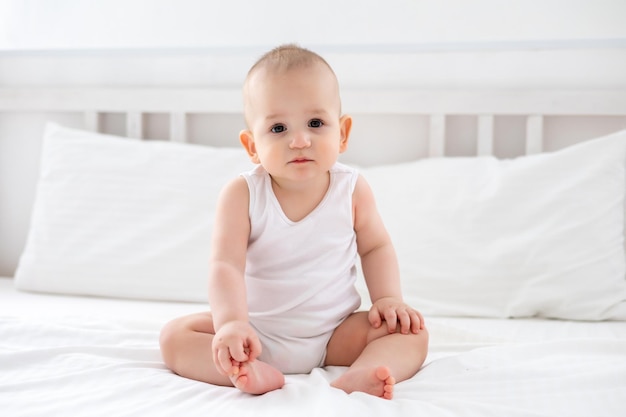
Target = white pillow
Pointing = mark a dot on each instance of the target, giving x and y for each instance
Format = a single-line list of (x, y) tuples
[(540, 235), (124, 218)]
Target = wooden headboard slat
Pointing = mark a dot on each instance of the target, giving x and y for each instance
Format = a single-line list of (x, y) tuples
[(534, 134), (485, 135)]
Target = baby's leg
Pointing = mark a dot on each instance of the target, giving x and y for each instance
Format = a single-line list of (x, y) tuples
[(376, 358), (186, 348)]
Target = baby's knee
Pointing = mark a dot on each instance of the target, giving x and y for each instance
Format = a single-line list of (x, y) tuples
[(170, 333), (179, 334), (421, 339), (418, 340)]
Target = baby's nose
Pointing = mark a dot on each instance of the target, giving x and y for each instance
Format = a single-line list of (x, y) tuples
[(300, 140)]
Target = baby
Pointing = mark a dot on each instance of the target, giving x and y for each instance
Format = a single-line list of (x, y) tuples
[(284, 251)]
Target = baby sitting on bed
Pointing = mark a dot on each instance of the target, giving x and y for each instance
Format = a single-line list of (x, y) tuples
[(284, 250)]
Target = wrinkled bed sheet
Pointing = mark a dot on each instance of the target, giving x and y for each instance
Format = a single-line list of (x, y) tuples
[(79, 356)]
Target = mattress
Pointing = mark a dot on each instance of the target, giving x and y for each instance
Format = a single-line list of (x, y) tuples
[(75, 356)]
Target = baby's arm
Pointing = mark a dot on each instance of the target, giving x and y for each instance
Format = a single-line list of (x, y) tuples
[(235, 340), (380, 265)]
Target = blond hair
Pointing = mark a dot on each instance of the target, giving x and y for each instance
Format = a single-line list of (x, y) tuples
[(287, 57)]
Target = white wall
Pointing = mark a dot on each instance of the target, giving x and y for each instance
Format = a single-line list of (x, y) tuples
[(432, 43), (392, 43), (79, 24)]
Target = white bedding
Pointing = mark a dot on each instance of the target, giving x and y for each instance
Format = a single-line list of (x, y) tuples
[(79, 356)]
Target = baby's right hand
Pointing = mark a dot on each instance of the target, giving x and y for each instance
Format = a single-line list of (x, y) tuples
[(234, 343)]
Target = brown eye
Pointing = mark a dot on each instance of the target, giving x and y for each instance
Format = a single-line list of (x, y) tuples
[(278, 129), (316, 123)]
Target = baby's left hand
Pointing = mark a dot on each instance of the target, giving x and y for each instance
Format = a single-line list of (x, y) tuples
[(397, 315)]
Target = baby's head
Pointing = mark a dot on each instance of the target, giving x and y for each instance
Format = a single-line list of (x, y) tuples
[(284, 59), (291, 101)]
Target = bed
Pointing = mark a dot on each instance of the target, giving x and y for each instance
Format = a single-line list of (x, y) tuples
[(515, 254)]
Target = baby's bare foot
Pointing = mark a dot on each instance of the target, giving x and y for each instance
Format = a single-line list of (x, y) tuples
[(257, 378), (374, 381)]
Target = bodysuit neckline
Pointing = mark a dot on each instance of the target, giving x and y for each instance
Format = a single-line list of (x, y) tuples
[(279, 209)]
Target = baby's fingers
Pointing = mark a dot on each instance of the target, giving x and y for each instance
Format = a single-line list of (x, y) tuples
[(239, 353), (417, 321), (405, 319), (391, 317), (374, 318), (254, 348), (223, 361)]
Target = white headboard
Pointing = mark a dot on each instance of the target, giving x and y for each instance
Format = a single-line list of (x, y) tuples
[(390, 125), (437, 105)]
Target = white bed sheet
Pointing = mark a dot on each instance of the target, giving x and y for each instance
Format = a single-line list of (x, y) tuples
[(79, 356)]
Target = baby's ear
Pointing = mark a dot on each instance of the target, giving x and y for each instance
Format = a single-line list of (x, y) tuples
[(247, 141), (345, 126)]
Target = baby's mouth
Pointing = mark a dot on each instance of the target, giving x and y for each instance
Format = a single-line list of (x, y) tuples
[(300, 160)]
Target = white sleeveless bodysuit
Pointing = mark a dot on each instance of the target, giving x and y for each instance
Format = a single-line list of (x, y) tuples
[(300, 275)]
